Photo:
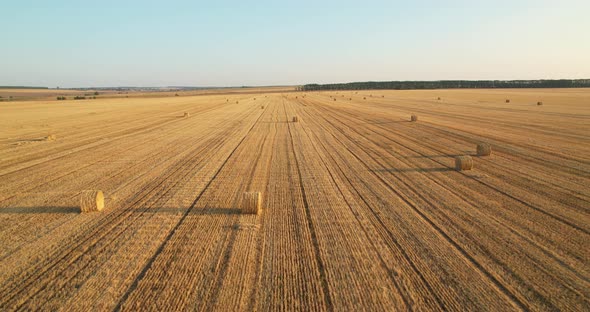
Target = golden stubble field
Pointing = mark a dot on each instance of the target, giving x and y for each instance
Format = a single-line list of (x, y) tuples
[(362, 209)]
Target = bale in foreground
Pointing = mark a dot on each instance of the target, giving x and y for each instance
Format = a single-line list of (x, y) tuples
[(414, 118), (252, 203), (91, 200), (484, 149), (463, 163)]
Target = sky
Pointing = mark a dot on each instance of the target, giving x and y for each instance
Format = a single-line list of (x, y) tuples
[(258, 43)]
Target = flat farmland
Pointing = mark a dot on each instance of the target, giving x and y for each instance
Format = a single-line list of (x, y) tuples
[(361, 208)]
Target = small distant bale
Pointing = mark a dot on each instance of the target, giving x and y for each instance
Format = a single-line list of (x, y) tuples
[(187, 114), (364, 98), (254, 99), (91, 200), (50, 137), (414, 118), (237, 102), (439, 98), (334, 99), (484, 149), (463, 163), (295, 119), (350, 99), (252, 203), (507, 100), (539, 103), (262, 107)]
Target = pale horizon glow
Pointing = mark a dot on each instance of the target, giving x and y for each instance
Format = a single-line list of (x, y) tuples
[(232, 43)]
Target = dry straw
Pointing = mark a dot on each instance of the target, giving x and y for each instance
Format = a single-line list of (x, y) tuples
[(252, 203), (262, 107), (507, 100), (414, 118), (463, 163), (186, 114), (484, 149), (91, 200), (439, 98), (539, 103), (50, 137), (295, 119)]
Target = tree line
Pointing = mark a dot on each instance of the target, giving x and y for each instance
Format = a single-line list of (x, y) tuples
[(449, 84)]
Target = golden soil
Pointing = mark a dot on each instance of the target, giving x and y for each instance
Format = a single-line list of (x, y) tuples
[(362, 209)]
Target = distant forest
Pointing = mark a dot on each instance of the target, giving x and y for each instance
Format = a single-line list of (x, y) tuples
[(22, 87), (449, 84)]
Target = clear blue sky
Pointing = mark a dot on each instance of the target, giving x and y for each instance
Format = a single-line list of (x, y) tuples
[(232, 43)]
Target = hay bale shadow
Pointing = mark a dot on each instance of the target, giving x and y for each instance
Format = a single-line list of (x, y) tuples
[(39, 210), (422, 170)]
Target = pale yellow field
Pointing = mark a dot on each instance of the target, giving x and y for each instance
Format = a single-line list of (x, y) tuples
[(7, 94), (362, 209)]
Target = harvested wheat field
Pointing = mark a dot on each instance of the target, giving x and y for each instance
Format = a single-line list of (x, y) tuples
[(360, 208)]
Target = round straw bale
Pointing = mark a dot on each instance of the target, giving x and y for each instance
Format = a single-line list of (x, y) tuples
[(295, 119), (262, 107), (539, 103), (439, 98), (507, 100), (50, 137), (414, 118), (252, 203), (187, 114), (91, 200), (334, 99), (463, 163), (237, 102), (364, 98), (484, 149)]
